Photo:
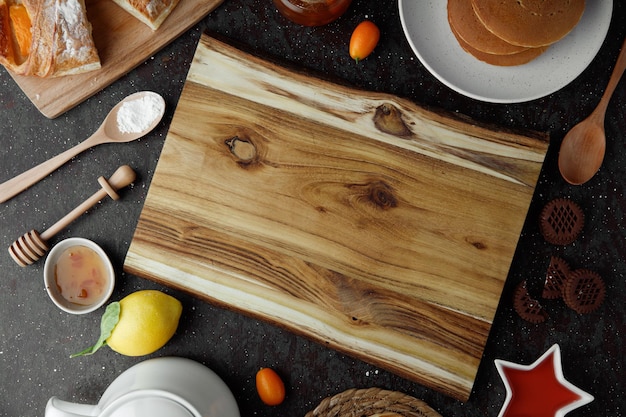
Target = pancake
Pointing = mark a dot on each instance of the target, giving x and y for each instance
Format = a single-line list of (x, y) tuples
[(530, 23), (509, 60), (466, 24)]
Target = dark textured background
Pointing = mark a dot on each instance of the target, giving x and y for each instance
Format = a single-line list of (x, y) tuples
[(36, 338)]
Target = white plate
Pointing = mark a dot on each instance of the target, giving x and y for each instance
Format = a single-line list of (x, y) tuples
[(425, 24)]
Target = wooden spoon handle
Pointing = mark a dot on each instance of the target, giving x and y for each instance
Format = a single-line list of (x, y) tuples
[(16, 185), (616, 75), (122, 177)]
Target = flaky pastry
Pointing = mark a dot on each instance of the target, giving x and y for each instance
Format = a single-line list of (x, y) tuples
[(150, 12), (60, 38)]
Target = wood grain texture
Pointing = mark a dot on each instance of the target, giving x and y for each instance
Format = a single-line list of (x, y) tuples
[(123, 43), (354, 218)]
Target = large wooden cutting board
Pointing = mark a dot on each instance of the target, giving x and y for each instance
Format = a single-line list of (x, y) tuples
[(354, 218), (123, 43)]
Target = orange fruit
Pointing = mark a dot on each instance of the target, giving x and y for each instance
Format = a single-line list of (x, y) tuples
[(363, 40), (270, 387), (21, 27)]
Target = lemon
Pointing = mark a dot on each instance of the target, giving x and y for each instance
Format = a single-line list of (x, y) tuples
[(139, 324), (148, 320)]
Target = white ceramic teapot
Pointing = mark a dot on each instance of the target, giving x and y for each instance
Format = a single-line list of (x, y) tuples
[(161, 387)]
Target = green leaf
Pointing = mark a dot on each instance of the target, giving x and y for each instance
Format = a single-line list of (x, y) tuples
[(108, 322)]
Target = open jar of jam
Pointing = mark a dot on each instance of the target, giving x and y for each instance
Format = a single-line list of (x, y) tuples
[(312, 12)]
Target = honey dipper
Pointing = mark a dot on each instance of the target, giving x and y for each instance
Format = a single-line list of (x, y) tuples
[(32, 245)]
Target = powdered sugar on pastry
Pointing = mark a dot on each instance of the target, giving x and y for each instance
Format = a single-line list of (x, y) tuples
[(61, 40), (74, 36), (150, 12)]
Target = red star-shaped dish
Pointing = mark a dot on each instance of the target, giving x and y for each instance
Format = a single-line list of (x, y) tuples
[(539, 390)]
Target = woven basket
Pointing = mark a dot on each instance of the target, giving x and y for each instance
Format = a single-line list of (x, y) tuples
[(372, 402)]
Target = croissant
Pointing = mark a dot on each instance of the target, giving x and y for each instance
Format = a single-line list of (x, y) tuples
[(150, 12), (59, 41)]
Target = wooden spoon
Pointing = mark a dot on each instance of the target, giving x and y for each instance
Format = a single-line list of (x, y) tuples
[(108, 132), (33, 245), (582, 149)]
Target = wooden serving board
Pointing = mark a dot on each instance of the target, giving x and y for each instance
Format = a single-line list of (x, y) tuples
[(123, 43), (354, 218)]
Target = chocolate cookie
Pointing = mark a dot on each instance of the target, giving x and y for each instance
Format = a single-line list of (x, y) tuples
[(584, 291), (556, 275), (561, 221), (528, 308)]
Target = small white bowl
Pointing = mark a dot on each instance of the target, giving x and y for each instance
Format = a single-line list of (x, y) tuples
[(52, 288)]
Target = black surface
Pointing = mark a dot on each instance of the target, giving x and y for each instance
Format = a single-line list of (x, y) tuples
[(36, 338)]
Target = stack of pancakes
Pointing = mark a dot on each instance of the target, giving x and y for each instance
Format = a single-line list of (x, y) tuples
[(511, 32)]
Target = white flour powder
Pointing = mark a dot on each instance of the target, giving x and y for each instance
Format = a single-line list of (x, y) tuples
[(137, 115)]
